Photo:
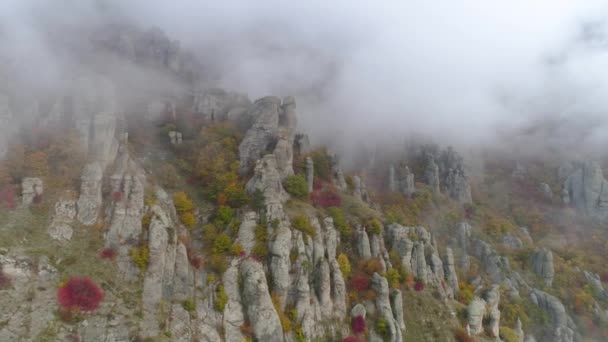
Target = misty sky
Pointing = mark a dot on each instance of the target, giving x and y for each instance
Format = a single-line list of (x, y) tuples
[(459, 70)]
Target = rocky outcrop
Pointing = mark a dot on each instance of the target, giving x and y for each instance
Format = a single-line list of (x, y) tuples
[(384, 309), (273, 131), (267, 179), (234, 316), (596, 284), (363, 246), (258, 305), (219, 104), (587, 190), (495, 265), (563, 328), (512, 242), (431, 175), (90, 200), (61, 226), (519, 330), (360, 190), (261, 138), (450, 272), (31, 188), (175, 138), (405, 180), (337, 176), (542, 264), (310, 174), (492, 299), (246, 234), (546, 191), (127, 187), (475, 313), (301, 144), (458, 187)]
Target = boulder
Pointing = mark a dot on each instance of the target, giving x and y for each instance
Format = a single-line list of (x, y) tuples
[(61, 226), (31, 188), (475, 313)]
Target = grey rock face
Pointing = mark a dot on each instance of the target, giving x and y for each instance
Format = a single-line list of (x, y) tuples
[(405, 180), (285, 137), (392, 180), (261, 137), (397, 306), (495, 265), (337, 175), (256, 299), (383, 305), (363, 245), (61, 226), (587, 190), (432, 175), (419, 266), (519, 172), (360, 191), (280, 263), (596, 284), (542, 264), (310, 174), (563, 328), (458, 187), (30, 189), (519, 330), (475, 313), (492, 299), (511, 242), (246, 235), (301, 144), (267, 179), (216, 104), (450, 272), (463, 234), (89, 202), (233, 311)]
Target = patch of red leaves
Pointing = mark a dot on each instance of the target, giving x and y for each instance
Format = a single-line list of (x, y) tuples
[(5, 280), (117, 196), (326, 198), (351, 339), (80, 294), (358, 324), (359, 282), (419, 286), (108, 253), (8, 197), (196, 261)]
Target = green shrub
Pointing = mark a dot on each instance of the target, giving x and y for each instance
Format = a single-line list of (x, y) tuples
[(296, 186), (140, 257), (340, 222), (218, 264), (189, 305), (182, 202), (260, 249), (508, 335), (188, 219), (344, 264), (393, 277), (221, 244), (302, 224), (223, 216), (375, 227), (220, 299), (320, 159), (256, 201), (382, 327)]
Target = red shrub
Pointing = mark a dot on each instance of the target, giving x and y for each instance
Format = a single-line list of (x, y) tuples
[(108, 253), (419, 286), (196, 261), (604, 277), (117, 196), (359, 282), (317, 184), (351, 339), (79, 293), (461, 335), (5, 281), (8, 197), (358, 324), (326, 198)]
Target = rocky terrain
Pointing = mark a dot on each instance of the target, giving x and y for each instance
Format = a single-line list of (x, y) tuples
[(207, 216)]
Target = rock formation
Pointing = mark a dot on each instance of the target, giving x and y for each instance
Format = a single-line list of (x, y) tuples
[(337, 175), (310, 174), (432, 175), (31, 188), (587, 190), (542, 264), (90, 200)]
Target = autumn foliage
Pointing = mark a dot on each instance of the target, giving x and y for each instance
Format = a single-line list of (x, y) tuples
[(351, 339), (358, 324), (79, 294), (360, 282), (108, 253)]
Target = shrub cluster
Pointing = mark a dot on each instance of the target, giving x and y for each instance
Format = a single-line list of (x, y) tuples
[(326, 197), (260, 249), (344, 264), (302, 224), (358, 324), (340, 222), (184, 207), (108, 253), (140, 256), (220, 298), (296, 186), (80, 294)]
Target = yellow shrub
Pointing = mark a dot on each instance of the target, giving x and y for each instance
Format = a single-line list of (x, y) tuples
[(344, 264)]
